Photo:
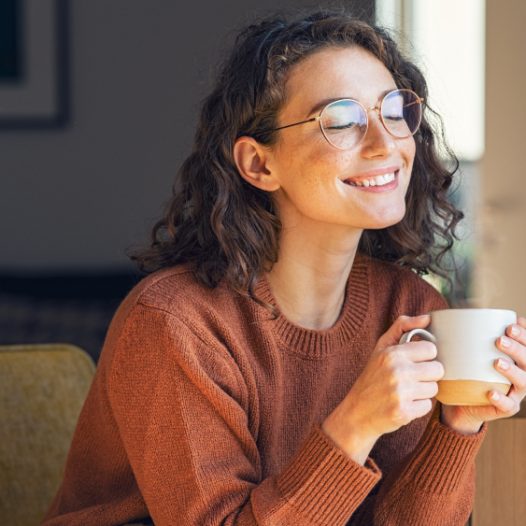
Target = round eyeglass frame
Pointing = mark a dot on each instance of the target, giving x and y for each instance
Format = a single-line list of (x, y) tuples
[(377, 108)]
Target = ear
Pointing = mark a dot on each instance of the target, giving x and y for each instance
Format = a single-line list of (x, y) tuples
[(253, 163)]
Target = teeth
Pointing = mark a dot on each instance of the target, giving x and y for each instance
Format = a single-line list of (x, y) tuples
[(379, 180)]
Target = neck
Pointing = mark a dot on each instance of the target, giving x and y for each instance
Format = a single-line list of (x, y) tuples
[(308, 281)]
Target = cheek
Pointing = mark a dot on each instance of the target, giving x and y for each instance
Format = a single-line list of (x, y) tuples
[(321, 171), (409, 151), (325, 162), (309, 165)]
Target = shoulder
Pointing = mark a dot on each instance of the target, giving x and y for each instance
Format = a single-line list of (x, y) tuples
[(404, 288), (176, 290), (169, 325), (175, 294), (171, 313)]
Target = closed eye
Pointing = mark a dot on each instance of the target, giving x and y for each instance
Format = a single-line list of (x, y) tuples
[(343, 126)]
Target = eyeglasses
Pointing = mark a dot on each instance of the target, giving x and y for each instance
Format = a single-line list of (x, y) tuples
[(344, 122)]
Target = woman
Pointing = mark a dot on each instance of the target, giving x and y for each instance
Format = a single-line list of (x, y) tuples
[(256, 377)]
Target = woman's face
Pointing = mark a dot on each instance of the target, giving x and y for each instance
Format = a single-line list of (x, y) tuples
[(311, 172)]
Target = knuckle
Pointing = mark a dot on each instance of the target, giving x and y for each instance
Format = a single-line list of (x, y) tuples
[(430, 348), (399, 392), (428, 405), (439, 369), (400, 415), (399, 408), (395, 394), (391, 358), (423, 407), (390, 350), (518, 328)]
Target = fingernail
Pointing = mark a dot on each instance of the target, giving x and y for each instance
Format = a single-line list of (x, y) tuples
[(505, 342), (503, 364), (495, 396), (515, 331)]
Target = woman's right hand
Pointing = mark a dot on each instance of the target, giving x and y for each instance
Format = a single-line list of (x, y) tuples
[(395, 387)]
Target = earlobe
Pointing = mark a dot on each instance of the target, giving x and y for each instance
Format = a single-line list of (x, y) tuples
[(251, 160)]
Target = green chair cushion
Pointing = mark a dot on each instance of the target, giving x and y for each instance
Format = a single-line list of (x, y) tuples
[(42, 389)]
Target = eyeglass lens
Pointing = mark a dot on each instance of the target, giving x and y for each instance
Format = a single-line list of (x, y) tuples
[(344, 122)]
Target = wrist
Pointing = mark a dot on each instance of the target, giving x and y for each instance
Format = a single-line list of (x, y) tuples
[(459, 424), (348, 439)]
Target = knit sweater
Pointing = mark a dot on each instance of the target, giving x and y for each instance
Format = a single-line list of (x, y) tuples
[(206, 411)]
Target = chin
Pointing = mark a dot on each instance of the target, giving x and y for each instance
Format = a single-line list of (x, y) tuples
[(385, 222)]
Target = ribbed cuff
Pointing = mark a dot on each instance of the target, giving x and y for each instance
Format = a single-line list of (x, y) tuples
[(443, 457), (324, 484)]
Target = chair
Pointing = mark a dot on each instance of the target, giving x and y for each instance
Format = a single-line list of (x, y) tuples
[(42, 389)]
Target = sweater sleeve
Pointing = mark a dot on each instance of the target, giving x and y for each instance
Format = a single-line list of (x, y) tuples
[(184, 415), (435, 485)]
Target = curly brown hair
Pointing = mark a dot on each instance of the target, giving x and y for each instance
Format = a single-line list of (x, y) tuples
[(228, 229)]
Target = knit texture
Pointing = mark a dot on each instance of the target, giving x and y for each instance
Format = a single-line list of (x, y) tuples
[(205, 411)]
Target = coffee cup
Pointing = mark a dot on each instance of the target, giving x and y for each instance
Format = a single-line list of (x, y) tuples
[(466, 347)]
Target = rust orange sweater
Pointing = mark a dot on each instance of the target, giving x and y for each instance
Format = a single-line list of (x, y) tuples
[(204, 411)]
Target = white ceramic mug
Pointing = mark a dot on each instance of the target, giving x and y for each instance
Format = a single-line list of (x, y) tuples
[(466, 347)]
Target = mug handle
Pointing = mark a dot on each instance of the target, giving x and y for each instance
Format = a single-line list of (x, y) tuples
[(406, 337)]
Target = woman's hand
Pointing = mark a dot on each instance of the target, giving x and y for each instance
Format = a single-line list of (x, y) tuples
[(396, 387), (468, 419)]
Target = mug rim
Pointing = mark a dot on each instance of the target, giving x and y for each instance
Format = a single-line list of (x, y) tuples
[(473, 309)]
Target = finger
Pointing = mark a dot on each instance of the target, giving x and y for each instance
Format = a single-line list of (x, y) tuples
[(429, 371), (517, 332), (505, 404), (416, 352), (404, 324), (513, 349), (514, 374), (425, 390), (421, 407)]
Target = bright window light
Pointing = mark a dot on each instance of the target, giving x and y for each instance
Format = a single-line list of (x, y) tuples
[(448, 44)]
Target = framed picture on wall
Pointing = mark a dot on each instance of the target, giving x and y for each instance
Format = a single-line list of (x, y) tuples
[(33, 64)]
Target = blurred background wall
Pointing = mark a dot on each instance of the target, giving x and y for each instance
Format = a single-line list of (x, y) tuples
[(73, 198), (499, 277)]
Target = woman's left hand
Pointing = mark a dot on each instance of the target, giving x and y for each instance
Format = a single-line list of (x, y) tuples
[(469, 419)]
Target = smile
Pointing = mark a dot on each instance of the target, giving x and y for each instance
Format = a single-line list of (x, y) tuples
[(379, 183)]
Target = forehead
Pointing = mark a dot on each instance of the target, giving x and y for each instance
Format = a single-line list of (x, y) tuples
[(350, 72)]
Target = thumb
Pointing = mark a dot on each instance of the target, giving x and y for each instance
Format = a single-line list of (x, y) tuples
[(403, 324)]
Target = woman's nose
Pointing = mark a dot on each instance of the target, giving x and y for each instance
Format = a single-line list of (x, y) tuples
[(377, 141)]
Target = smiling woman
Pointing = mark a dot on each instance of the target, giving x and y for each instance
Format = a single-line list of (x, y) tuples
[(306, 169), (240, 107), (313, 191)]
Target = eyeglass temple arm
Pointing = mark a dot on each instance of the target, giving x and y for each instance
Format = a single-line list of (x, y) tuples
[(419, 101), (295, 124)]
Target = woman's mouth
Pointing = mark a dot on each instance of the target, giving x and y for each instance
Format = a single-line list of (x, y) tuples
[(378, 183)]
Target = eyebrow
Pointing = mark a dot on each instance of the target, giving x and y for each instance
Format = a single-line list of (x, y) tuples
[(321, 104)]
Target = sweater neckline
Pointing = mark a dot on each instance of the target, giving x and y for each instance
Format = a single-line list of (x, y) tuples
[(314, 343)]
